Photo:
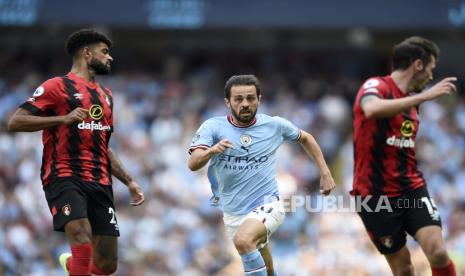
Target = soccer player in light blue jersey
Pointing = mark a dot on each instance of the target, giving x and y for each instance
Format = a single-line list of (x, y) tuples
[(241, 148)]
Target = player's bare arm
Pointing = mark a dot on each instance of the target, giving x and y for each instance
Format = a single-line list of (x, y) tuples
[(312, 148), (23, 120), (120, 172), (200, 157), (375, 107)]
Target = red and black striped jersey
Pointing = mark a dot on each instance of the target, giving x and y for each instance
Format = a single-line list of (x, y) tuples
[(384, 148), (79, 149)]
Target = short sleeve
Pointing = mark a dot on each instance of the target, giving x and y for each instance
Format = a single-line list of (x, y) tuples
[(44, 97), (289, 131), (375, 87), (203, 138)]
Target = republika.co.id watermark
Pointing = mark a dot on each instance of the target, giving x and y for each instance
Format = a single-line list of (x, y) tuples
[(350, 204)]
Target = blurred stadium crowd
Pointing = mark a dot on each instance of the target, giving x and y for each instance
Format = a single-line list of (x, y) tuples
[(176, 232)]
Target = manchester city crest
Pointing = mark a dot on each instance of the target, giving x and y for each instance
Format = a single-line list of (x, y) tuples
[(246, 140)]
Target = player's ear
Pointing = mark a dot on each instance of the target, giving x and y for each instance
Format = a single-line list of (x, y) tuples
[(87, 52), (227, 102), (418, 65)]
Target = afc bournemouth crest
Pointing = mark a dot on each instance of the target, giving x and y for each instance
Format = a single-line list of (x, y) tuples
[(246, 140), (387, 241), (66, 210)]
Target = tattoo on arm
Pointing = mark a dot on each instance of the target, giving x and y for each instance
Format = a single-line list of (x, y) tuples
[(117, 168)]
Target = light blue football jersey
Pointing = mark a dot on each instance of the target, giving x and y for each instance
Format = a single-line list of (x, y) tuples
[(243, 177)]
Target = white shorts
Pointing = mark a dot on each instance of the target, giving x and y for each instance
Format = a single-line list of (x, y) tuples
[(270, 214)]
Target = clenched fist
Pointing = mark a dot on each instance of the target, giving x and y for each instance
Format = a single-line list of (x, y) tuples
[(77, 115)]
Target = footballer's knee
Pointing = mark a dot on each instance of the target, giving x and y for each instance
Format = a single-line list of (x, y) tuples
[(438, 257), (105, 267), (244, 244), (78, 231), (404, 270)]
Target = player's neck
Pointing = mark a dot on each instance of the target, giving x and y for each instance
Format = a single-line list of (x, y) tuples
[(82, 72), (402, 79)]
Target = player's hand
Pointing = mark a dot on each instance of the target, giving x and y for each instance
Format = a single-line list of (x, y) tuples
[(327, 184), (77, 115), (221, 146), (137, 195), (444, 87)]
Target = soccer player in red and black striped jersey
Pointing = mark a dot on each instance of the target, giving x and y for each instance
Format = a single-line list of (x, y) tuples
[(386, 122), (76, 116)]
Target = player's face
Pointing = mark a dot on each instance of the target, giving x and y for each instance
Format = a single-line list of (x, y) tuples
[(243, 103), (424, 76), (101, 60)]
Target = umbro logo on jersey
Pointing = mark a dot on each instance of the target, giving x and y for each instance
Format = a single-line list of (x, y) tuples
[(78, 96)]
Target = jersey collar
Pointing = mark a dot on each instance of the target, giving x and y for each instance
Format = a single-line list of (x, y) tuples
[(73, 76), (230, 120)]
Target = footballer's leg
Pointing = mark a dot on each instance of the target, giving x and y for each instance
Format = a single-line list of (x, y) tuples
[(105, 261), (68, 205), (105, 230), (430, 240), (266, 255), (424, 223), (249, 235), (400, 262), (79, 235)]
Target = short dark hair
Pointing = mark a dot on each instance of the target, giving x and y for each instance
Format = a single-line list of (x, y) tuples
[(411, 49), (241, 80), (84, 37)]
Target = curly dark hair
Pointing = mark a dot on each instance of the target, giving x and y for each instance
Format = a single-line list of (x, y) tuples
[(84, 37), (411, 49)]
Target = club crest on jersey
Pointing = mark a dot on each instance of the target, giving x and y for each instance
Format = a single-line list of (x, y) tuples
[(96, 112), (195, 138), (407, 128), (387, 241), (39, 91), (246, 140), (66, 210)]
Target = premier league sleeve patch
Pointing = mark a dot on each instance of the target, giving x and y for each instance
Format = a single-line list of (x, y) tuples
[(39, 92)]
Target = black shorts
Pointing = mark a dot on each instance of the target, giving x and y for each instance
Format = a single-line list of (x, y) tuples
[(387, 227), (70, 199)]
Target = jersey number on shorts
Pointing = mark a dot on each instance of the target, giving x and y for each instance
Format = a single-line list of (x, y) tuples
[(431, 206), (113, 218), (262, 209)]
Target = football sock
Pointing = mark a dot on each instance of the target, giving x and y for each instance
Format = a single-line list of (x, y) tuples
[(80, 262), (254, 265), (448, 270)]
